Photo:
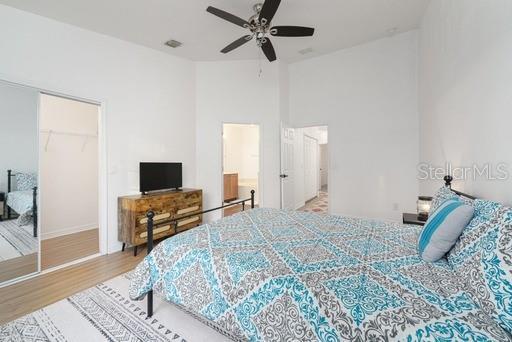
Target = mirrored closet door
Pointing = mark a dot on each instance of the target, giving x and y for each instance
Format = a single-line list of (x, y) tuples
[(19, 238), (68, 131)]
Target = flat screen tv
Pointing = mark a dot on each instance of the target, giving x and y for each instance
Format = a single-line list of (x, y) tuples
[(160, 176)]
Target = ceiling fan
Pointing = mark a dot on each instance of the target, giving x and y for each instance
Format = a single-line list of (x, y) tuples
[(260, 27)]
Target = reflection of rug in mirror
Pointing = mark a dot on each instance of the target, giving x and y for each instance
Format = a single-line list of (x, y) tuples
[(105, 313), (16, 241)]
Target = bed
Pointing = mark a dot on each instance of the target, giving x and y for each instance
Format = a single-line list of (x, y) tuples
[(278, 275), (23, 200)]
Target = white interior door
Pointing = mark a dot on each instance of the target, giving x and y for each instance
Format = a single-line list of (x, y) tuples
[(311, 168), (324, 165), (287, 166)]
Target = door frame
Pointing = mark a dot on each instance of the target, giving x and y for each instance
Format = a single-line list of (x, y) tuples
[(103, 211), (320, 165), (259, 194), (317, 168)]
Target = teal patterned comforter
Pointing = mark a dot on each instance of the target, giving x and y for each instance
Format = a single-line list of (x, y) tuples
[(276, 275)]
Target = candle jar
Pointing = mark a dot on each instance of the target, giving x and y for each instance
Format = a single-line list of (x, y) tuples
[(423, 206)]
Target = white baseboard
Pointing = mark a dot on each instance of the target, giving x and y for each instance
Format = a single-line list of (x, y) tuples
[(67, 231)]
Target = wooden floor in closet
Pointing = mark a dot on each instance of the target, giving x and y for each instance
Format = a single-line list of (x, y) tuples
[(33, 294)]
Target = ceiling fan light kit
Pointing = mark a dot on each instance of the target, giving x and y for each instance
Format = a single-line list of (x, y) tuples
[(260, 28)]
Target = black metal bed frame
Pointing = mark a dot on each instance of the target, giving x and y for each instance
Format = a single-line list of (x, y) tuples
[(448, 182), (10, 174), (151, 214)]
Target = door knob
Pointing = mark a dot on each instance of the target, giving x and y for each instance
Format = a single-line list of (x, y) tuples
[(283, 175)]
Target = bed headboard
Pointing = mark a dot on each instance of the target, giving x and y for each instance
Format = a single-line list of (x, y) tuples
[(448, 182), (9, 177)]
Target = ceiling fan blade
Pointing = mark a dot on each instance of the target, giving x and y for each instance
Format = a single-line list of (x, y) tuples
[(268, 50), (228, 16), (268, 11), (237, 43), (292, 31)]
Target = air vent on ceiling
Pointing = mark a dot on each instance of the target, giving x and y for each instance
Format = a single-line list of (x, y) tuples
[(306, 51), (173, 43), (392, 31)]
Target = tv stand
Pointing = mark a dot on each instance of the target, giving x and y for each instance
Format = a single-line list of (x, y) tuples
[(168, 206)]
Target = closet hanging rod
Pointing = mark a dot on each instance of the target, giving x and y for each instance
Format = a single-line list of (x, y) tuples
[(52, 132)]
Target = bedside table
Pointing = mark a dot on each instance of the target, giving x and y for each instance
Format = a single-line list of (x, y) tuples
[(412, 219)]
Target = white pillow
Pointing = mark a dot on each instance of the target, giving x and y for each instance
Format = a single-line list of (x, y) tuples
[(25, 181), (443, 228)]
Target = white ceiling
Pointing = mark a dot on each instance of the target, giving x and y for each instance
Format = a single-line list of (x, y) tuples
[(339, 23)]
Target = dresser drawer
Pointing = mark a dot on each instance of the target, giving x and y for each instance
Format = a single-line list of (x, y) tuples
[(166, 229), (174, 214), (167, 206)]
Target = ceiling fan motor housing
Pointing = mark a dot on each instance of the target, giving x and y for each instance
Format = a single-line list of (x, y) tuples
[(260, 27), (255, 19), (257, 8)]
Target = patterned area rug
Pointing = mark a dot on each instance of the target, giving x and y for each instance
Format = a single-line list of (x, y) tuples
[(105, 313), (16, 241), (319, 205)]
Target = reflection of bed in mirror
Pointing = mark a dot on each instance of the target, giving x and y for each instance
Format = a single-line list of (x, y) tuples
[(22, 199), (18, 234), (19, 171)]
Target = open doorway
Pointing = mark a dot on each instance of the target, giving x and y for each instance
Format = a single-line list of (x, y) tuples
[(69, 161), (241, 163), (304, 169)]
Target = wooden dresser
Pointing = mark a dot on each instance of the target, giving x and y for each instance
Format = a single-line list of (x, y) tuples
[(168, 206), (230, 187)]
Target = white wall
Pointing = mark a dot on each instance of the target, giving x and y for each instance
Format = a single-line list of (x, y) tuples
[(69, 166), (149, 96), (232, 92), (18, 131), (317, 132), (367, 95), (466, 90)]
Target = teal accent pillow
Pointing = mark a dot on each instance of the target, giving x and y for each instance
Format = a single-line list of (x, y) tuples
[(443, 228)]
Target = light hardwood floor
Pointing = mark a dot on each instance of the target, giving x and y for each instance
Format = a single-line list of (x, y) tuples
[(67, 248), (17, 267), (33, 294)]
